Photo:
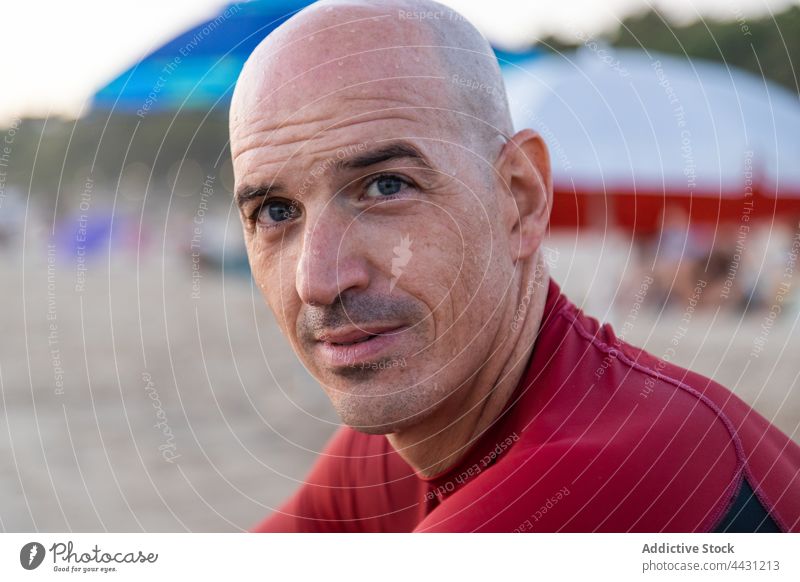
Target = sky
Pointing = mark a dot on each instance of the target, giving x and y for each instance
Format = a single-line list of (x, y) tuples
[(57, 53)]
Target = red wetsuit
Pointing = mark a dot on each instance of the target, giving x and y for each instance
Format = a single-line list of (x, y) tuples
[(598, 436)]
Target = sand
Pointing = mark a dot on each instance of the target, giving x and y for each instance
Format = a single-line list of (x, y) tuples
[(139, 396)]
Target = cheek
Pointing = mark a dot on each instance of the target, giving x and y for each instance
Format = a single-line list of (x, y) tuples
[(465, 271), (273, 270), (429, 266), (444, 272)]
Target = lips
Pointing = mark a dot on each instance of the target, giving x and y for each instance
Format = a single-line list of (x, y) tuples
[(357, 335), (349, 347)]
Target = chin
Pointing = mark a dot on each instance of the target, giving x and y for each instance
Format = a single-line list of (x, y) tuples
[(372, 413)]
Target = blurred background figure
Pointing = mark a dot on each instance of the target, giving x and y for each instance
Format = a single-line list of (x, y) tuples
[(144, 385), (679, 250)]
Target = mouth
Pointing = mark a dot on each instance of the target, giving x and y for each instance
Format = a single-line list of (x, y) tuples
[(356, 335), (353, 346), (360, 340)]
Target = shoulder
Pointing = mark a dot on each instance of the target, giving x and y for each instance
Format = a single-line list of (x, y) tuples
[(685, 406), (667, 449), (641, 395)]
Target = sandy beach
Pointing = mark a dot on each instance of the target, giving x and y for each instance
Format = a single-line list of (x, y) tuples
[(153, 394)]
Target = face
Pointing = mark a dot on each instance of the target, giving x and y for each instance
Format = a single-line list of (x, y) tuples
[(370, 224)]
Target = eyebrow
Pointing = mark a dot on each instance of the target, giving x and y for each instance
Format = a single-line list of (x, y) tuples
[(392, 151), (247, 193), (383, 154)]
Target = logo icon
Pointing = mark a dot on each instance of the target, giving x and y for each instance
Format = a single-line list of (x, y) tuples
[(402, 254), (31, 555)]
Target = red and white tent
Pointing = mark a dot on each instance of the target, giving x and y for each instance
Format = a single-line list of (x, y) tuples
[(631, 132)]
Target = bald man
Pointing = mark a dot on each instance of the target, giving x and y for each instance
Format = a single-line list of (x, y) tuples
[(394, 223)]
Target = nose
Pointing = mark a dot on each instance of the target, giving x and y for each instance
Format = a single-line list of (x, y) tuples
[(332, 260)]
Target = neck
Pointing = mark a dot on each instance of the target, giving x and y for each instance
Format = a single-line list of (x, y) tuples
[(439, 442)]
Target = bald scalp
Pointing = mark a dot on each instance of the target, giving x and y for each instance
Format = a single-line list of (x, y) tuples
[(333, 44)]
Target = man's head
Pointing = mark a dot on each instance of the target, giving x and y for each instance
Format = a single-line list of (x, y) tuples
[(388, 209)]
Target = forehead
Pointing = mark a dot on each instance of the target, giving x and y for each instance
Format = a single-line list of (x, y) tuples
[(350, 80), (389, 110)]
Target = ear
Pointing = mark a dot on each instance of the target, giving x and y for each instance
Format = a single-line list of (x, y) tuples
[(524, 170)]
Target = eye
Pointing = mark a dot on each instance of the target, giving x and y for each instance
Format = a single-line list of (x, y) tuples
[(276, 210), (386, 186)]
